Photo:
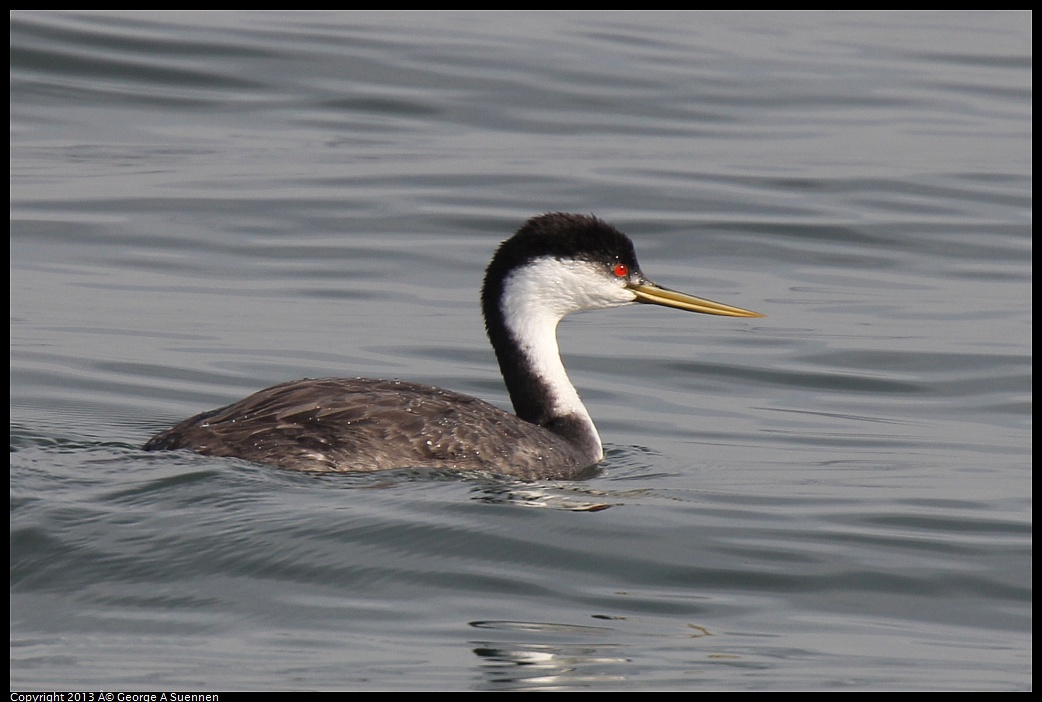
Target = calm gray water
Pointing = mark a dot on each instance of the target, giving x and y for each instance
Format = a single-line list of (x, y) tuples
[(837, 496)]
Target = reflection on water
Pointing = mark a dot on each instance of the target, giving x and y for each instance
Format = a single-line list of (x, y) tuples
[(534, 665)]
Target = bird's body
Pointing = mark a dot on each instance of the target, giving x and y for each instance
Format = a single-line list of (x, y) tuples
[(363, 424), (556, 264)]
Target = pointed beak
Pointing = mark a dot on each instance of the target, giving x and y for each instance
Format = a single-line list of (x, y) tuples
[(650, 293)]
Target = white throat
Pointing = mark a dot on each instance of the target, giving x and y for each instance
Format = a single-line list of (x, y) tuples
[(535, 298)]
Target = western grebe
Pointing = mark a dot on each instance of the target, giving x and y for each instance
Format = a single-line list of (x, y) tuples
[(554, 265)]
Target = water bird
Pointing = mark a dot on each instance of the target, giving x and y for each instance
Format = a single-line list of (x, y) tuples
[(554, 265)]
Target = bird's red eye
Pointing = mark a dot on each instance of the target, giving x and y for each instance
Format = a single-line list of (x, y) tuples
[(621, 270)]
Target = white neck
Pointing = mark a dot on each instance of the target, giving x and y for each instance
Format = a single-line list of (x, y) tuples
[(535, 298)]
